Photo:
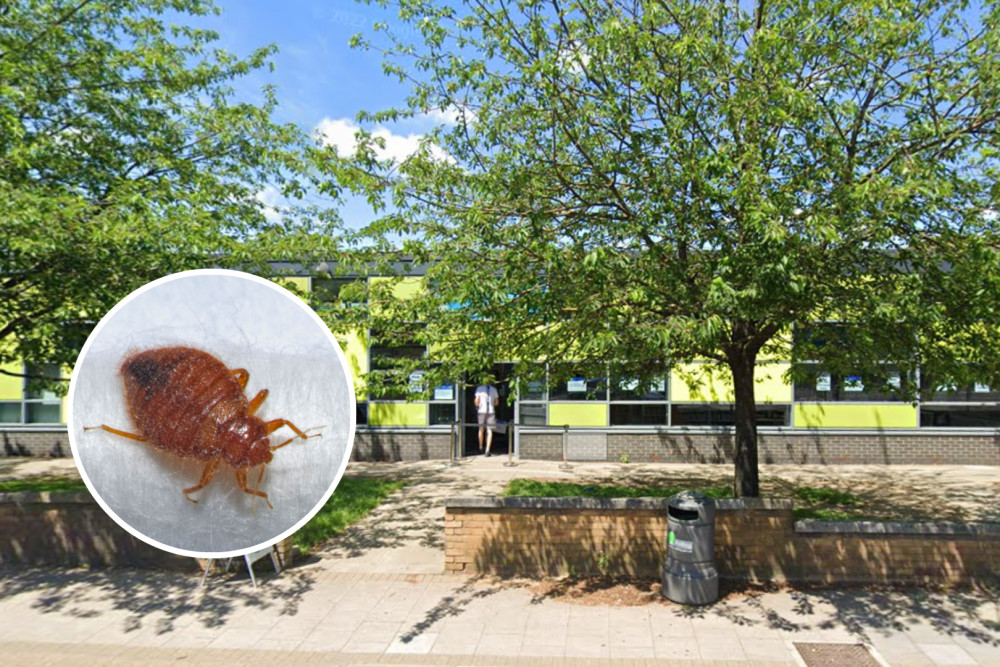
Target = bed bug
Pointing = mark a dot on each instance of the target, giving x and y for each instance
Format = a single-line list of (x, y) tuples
[(186, 402)]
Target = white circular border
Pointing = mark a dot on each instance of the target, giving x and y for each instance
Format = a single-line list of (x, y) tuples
[(350, 433)]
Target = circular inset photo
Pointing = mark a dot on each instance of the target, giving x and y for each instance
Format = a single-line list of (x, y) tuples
[(211, 413)]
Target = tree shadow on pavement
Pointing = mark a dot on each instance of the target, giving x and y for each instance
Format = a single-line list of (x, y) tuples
[(450, 606), (151, 599), (972, 612), (412, 515)]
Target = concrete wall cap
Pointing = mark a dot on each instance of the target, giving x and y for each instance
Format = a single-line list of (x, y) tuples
[(737, 504), (46, 497), (514, 502), (815, 526)]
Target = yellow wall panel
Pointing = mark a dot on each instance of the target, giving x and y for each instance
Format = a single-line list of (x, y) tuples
[(302, 283), (578, 414), (355, 347), (854, 415), (11, 387), (715, 385), (397, 414), (403, 288)]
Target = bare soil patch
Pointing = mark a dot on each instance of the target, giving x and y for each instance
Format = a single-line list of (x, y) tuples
[(626, 591)]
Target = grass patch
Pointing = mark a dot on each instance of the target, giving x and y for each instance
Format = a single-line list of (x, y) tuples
[(826, 514), (535, 489), (811, 502), (827, 504), (813, 495), (42, 484), (353, 499)]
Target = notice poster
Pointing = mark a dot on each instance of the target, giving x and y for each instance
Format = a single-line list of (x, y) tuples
[(417, 381), (577, 385), (823, 382), (853, 383), (445, 392)]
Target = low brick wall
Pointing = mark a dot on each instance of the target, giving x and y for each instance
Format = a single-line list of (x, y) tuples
[(35, 443), (825, 447), (70, 528), (400, 446), (755, 540)]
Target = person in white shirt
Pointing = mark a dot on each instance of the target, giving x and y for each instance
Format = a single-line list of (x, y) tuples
[(487, 399)]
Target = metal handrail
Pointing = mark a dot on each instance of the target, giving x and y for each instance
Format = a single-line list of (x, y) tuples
[(508, 430)]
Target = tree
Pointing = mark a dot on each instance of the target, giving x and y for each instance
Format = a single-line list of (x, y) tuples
[(649, 183), (123, 158)]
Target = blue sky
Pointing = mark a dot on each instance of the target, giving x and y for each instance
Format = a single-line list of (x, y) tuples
[(317, 73), (322, 83)]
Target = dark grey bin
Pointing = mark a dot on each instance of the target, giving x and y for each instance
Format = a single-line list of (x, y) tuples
[(689, 574)]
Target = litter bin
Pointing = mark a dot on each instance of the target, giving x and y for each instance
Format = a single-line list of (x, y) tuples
[(689, 574)]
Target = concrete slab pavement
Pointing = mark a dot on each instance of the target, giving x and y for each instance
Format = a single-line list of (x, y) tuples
[(377, 595), (310, 615)]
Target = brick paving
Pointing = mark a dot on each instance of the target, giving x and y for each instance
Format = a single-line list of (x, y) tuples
[(377, 595)]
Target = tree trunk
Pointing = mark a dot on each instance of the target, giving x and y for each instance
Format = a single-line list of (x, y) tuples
[(746, 483)]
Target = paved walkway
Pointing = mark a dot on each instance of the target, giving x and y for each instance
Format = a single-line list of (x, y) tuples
[(377, 595)]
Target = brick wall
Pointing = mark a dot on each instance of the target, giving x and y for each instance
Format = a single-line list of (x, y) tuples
[(70, 528), (400, 446), (755, 540), (801, 448), (542, 446), (35, 443), (784, 447)]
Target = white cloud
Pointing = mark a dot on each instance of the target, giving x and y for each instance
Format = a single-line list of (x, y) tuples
[(339, 133), (574, 58), (450, 115), (271, 198)]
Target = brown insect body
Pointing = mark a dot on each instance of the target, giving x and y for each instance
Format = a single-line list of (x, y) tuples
[(186, 402)]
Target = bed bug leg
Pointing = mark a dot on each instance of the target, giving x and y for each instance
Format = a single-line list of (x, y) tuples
[(206, 477), (241, 479), (241, 375), (256, 401), (260, 478), (116, 432)]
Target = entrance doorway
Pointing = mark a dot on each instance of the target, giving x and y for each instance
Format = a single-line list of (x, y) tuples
[(505, 413)]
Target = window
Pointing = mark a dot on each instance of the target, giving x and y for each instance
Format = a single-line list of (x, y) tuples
[(947, 405), (970, 416), (442, 414), (630, 388), (444, 406), (388, 362), (932, 391), (578, 385), (817, 384), (532, 414), (340, 291), (638, 414), (531, 406), (36, 405), (638, 401), (724, 414)]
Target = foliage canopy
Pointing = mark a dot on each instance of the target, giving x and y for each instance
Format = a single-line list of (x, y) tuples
[(647, 183), (123, 158)]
